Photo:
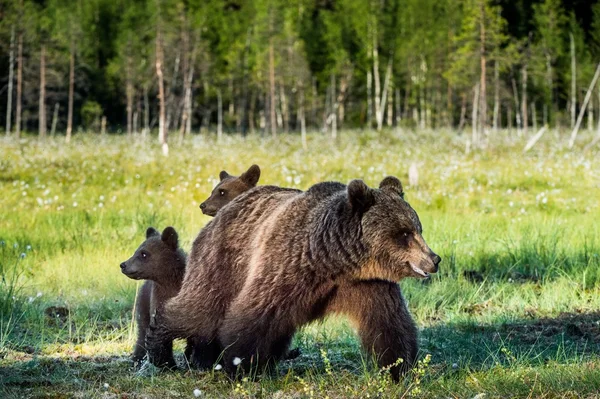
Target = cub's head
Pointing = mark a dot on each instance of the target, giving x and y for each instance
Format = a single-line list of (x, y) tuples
[(228, 188), (392, 232), (157, 259)]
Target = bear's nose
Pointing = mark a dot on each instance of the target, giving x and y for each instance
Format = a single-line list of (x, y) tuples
[(436, 260), (202, 206), (123, 266)]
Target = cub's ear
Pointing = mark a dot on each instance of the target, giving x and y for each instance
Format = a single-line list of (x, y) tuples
[(360, 196), (223, 175), (251, 176), (392, 183), (151, 232), (170, 237)]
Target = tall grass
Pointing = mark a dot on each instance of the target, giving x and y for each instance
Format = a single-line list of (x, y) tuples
[(512, 307)]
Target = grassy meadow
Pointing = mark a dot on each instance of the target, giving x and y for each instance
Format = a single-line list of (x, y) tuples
[(513, 312)]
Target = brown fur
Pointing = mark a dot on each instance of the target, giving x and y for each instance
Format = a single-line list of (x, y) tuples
[(229, 188), (291, 257), (160, 262)]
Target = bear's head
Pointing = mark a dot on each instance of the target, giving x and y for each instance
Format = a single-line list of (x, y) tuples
[(157, 259), (391, 232), (228, 188)]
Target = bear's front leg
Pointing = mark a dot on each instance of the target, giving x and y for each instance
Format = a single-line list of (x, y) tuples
[(159, 344), (385, 326)]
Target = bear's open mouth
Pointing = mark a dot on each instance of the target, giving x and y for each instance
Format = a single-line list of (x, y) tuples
[(418, 270)]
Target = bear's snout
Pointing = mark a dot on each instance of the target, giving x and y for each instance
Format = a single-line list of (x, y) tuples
[(203, 206), (123, 265), (436, 259)]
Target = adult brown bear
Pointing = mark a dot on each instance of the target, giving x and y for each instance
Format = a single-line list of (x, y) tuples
[(275, 259)]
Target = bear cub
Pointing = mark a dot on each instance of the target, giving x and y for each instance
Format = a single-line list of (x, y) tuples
[(160, 262), (228, 188)]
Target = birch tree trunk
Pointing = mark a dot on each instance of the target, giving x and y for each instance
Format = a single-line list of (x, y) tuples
[(19, 81), (586, 99), (333, 110), (71, 92), (11, 78), (219, 116), (474, 119), (369, 99), (54, 119), (517, 106), (380, 105), (398, 99), (524, 112), (273, 121), (390, 108), (301, 116), (129, 94), (573, 81), (146, 129), (483, 90), (376, 80), (162, 132), (496, 96), (463, 112), (42, 100)]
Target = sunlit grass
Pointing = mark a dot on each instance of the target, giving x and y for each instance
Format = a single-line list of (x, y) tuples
[(513, 311)]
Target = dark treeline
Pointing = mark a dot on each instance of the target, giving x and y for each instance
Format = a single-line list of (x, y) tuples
[(289, 65)]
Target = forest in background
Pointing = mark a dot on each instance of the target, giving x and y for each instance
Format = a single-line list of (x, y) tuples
[(271, 66)]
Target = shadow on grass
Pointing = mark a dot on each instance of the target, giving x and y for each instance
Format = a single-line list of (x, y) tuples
[(567, 338), (570, 338)]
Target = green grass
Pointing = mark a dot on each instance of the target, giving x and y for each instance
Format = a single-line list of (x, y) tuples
[(514, 311)]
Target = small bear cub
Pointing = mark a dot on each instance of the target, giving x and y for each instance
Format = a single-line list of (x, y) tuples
[(160, 262), (228, 188)]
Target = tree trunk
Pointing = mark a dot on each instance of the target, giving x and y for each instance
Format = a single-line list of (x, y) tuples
[(369, 99), (573, 81), (380, 106), (583, 107), (534, 117), (170, 101), (509, 118), (11, 78), (524, 112), (301, 116), (398, 100), (284, 109), (496, 96), (42, 106), (591, 114), (333, 110), (273, 121), (390, 108), (54, 119), (129, 94), (71, 91), (463, 112), (483, 78), (251, 112), (146, 129), (162, 129), (219, 116), (517, 106), (19, 81), (474, 119), (102, 125), (376, 80)]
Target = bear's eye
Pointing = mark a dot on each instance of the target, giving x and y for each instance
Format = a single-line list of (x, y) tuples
[(222, 192), (144, 254), (403, 238)]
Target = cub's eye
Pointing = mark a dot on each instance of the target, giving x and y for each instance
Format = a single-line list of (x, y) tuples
[(222, 192), (405, 235), (403, 238), (144, 254)]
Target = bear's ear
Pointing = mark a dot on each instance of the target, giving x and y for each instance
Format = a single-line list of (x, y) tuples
[(392, 183), (360, 196), (170, 237), (223, 175), (151, 232), (251, 176)]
